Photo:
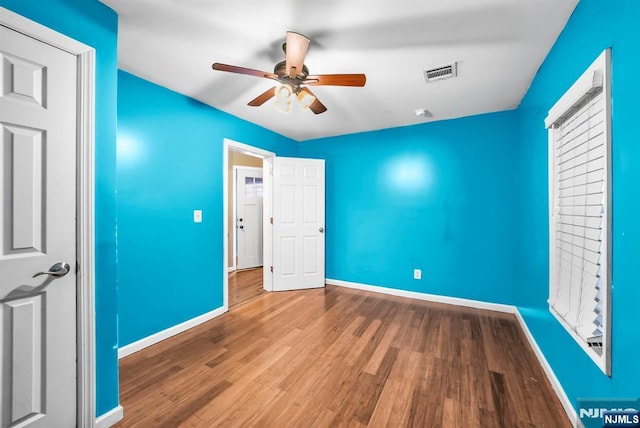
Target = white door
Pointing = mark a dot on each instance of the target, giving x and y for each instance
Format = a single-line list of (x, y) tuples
[(249, 196), (37, 233), (298, 223)]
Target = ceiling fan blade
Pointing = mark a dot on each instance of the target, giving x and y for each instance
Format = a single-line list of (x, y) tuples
[(316, 106), (336, 79), (243, 70), (295, 51), (263, 97)]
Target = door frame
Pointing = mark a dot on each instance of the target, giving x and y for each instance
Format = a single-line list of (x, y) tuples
[(235, 207), (267, 255), (85, 328)]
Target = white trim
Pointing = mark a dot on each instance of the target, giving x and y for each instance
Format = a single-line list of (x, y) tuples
[(169, 332), (424, 296), (593, 78), (231, 269), (250, 168), (86, 271), (234, 230), (85, 282), (247, 149), (555, 383), (225, 224), (40, 32), (477, 304), (267, 226), (110, 418), (266, 230), (608, 195)]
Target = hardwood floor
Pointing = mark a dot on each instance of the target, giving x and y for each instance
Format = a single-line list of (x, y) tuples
[(244, 285), (340, 357)]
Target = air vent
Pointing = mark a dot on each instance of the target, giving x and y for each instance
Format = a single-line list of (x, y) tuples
[(440, 73)]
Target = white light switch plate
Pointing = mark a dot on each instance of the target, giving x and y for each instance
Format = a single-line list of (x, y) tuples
[(197, 216)]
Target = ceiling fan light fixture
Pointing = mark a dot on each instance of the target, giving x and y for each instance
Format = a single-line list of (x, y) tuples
[(305, 99), (283, 97)]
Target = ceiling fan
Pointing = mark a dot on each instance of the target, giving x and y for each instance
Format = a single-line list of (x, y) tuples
[(294, 77)]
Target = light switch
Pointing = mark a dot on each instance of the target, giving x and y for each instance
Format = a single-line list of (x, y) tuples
[(197, 216)]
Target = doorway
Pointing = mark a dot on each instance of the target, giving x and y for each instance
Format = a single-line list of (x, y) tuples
[(247, 206), (246, 210), (245, 224), (293, 220)]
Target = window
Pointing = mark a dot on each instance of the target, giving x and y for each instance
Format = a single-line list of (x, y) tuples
[(249, 187), (579, 211), (259, 191), (253, 187)]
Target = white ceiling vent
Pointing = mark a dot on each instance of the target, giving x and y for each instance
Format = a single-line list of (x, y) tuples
[(441, 73)]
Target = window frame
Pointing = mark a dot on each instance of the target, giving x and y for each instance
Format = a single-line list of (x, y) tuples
[(597, 75)]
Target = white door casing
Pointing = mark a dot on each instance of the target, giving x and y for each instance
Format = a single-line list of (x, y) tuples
[(38, 122), (298, 223), (249, 197), (267, 248)]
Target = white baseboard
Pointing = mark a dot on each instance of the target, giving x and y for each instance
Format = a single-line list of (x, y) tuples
[(424, 296), (110, 418), (555, 384), (231, 269), (167, 333)]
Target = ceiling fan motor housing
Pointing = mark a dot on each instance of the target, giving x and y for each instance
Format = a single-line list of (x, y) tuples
[(281, 70)]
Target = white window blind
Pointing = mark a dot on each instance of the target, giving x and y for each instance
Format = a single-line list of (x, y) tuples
[(579, 141)]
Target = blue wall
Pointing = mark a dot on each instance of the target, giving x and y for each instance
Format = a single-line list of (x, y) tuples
[(579, 44), (96, 25), (170, 151), (465, 200), (436, 196)]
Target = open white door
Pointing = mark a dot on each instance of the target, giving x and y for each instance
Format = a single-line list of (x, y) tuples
[(298, 223), (249, 195), (37, 233)]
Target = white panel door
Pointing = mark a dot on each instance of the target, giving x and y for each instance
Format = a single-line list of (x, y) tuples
[(37, 233), (298, 223), (249, 196)]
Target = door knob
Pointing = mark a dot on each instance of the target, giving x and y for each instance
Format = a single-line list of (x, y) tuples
[(58, 270), (321, 230)]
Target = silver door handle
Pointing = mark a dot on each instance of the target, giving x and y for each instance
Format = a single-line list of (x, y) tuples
[(321, 230), (58, 270)]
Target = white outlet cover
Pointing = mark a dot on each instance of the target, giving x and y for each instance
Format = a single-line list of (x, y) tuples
[(417, 274), (197, 216)]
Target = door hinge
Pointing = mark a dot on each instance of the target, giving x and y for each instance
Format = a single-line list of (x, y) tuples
[(271, 220), (271, 268)]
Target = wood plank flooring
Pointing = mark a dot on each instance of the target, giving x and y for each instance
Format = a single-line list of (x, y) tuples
[(336, 357), (244, 285)]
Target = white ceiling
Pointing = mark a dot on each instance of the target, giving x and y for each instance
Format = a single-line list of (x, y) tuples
[(498, 44)]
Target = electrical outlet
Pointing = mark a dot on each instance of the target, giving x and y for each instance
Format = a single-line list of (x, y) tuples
[(417, 274), (197, 216)]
